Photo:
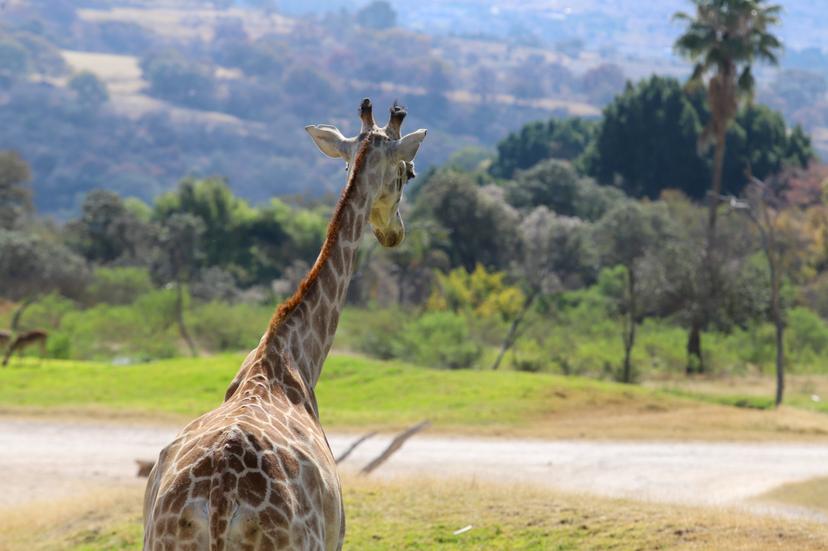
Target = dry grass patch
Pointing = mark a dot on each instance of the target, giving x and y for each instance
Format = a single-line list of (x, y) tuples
[(408, 514), (106, 519)]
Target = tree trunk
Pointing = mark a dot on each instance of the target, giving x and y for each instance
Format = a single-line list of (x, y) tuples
[(511, 336), (780, 362), (779, 324), (710, 265), (179, 314), (629, 330), (18, 314), (695, 364), (716, 189)]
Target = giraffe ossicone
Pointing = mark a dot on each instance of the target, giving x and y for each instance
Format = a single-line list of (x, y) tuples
[(257, 473)]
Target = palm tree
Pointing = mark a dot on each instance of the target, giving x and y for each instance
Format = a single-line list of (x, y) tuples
[(723, 40)]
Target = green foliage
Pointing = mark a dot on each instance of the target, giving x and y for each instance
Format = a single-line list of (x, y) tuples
[(118, 285), (556, 185), (807, 334), (108, 232), (647, 140), (438, 339), (372, 332), (627, 232), (726, 36), (47, 313), (479, 293), (759, 138), (556, 139), (31, 266), (221, 327), (135, 332), (15, 199), (254, 245), (479, 227)]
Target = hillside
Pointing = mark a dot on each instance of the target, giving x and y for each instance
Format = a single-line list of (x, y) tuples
[(194, 89)]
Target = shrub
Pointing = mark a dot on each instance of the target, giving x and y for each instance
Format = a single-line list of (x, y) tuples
[(372, 332), (807, 333), (438, 339), (118, 285), (219, 326)]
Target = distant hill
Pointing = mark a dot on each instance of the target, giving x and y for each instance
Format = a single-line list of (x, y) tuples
[(134, 95)]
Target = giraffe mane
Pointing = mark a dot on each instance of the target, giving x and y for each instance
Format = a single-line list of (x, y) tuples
[(331, 236)]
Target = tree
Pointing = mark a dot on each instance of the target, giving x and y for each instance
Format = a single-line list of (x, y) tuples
[(179, 256), (91, 92), (556, 254), (624, 236), (377, 15), (761, 205), (31, 267), (108, 232), (559, 139), (555, 184), (479, 226), (674, 274), (646, 141), (15, 200), (222, 214), (759, 140), (723, 40)]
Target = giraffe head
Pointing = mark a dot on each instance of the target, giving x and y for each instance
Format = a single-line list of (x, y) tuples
[(387, 165)]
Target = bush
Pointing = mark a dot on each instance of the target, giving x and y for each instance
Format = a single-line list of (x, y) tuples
[(527, 355), (118, 285), (372, 332), (807, 334), (219, 326), (438, 339)]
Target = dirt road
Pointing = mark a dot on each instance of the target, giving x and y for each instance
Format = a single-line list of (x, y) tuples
[(48, 459)]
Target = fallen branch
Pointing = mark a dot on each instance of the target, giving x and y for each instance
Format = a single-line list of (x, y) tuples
[(353, 446), (395, 445)]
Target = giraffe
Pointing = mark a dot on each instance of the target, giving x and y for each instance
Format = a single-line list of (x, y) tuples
[(257, 472), (25, 340)]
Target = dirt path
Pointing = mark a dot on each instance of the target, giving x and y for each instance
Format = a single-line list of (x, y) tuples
[(48, 459)]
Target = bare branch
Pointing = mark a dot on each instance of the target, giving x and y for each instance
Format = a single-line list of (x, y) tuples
[(394, 446)]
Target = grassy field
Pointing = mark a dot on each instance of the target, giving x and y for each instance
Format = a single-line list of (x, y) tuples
[(424, 515), (359, 393), (812, 493)]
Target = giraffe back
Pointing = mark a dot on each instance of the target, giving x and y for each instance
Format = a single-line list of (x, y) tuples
[(256, 473)]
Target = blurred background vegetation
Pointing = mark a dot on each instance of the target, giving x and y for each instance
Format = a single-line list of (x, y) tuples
[(159, 195)]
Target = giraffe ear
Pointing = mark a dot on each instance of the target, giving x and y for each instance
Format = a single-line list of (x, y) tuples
[(330, 141), (408, 145)]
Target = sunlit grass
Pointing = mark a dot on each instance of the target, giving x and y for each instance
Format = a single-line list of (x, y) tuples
[(360, 393), (409, 514)]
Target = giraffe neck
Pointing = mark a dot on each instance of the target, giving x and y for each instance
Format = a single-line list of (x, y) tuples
[(303, 327)]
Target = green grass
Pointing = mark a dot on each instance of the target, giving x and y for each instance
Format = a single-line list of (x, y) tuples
[(360, 393), (354, 391)]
